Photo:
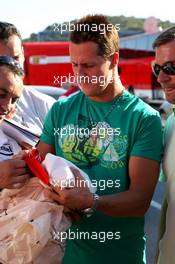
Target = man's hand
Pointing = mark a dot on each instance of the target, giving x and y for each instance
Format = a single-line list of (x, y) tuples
[(74, 216), (77, 198), (25, 146), (12, 112), (13, 174), (21, 154)]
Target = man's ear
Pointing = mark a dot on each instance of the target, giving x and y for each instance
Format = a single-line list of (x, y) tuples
[(115, 59)]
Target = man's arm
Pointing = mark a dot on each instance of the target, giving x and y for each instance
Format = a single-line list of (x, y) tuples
[(44, 148), (143, 175), (162, 225), (134, 202)]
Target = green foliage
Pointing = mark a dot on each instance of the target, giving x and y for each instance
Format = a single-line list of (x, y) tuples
[(127, 24), (166, 24)]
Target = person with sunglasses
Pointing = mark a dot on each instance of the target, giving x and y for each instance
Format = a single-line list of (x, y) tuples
[(13, 172), (164, 69), (33, 106)]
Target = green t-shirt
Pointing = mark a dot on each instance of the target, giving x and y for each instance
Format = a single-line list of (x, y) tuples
[(114, 131)]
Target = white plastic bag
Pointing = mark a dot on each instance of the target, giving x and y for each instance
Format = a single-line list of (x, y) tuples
[(60, 173), (28, 223)]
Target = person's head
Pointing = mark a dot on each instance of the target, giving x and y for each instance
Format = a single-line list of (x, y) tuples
[(94, 46), (164, 64), (11, 42), (11, 84)]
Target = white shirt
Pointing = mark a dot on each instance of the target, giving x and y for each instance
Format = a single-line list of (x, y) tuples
[(8, 146), (167, 243), (32, 109)]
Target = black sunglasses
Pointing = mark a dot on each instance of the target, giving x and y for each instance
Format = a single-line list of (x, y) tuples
[(168, 68)]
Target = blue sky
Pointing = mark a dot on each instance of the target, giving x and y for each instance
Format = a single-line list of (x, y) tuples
[(35, 15)]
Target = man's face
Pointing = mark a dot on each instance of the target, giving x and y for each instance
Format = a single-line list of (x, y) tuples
[(10, 91), (13, 48), (166, 53), (93, 72)]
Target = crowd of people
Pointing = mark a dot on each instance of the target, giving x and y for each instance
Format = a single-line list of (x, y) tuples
[(106, 131)]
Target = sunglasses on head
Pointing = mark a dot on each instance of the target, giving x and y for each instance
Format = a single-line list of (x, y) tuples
[(168, 68), (9, 61)]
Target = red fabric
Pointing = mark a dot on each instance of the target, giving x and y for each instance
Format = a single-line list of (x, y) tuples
[(33, 160)]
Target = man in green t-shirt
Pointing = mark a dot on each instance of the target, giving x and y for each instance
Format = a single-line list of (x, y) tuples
[(116, 139)]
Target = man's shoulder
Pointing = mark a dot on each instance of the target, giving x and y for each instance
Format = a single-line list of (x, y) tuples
[(69, 101), (139, 106), (169, 128), (65, 106), (34, 95)]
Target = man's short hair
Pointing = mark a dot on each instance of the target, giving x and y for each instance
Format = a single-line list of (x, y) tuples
[(7, 30), (96, 28), (165, 37), (12, 65)]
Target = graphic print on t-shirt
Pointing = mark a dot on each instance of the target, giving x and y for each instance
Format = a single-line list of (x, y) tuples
[(97, 143)]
